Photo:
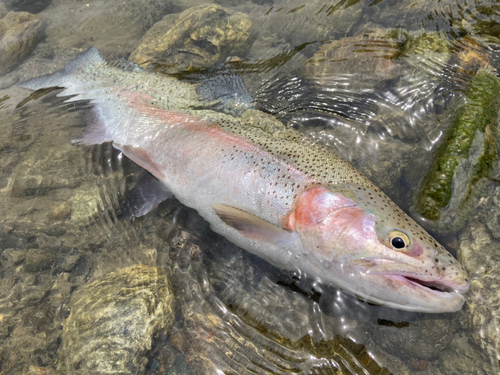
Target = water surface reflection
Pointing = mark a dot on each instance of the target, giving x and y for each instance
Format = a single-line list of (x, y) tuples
[(381, 93)]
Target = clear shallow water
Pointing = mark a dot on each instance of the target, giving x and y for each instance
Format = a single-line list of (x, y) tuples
[(381, 106)]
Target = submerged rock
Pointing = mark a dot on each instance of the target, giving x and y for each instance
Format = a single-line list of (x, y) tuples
[(480, 255), (113, 320), (32, 6), (38, 260), (471, 54), (198, 37), (464, 161), (3, 9), (113, 27), (47, 168), (287, 25), (425, 43), (19, 33), (358, 62), (422, 339)]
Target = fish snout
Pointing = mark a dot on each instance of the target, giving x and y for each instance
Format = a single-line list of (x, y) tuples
[(451, 273)]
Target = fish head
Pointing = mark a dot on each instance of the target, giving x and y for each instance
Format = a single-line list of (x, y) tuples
[(357, 239)]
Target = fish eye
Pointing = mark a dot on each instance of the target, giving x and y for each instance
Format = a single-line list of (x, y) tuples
[(398, 240)]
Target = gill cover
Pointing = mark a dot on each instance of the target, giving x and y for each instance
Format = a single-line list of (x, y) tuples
[(359, 240)]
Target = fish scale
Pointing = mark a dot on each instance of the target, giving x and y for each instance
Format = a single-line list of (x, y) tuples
[(264, 186)]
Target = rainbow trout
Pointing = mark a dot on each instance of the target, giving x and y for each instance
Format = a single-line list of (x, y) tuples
[(265, 187)]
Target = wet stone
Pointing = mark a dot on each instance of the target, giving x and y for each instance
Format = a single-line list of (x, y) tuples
[(414, 15), (46, 167), (39, 318), (74, 26), (492, 217), (33, 296), (180, 341), (38, 260), (420, 44), (113, 320), (198, 37), (70, 261), (292, 23), (367, 59), (461, 357), (471, 55), (23, 345), (4, 332), (420, 340), (479, 254), (37, 370), (60, 212), (464, 161), (8, 80), (16, 256), (30, 280), (19, 33), (85, 204), (3, 9), (32, 6)]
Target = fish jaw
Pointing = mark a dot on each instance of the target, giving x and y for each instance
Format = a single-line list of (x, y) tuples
[(345, 242)]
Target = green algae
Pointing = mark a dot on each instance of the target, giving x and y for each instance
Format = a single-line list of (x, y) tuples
[(478, 114), (3, 100), (389, 323), (427, 42)]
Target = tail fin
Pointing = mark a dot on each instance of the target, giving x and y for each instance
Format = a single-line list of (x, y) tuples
[(84, 60)]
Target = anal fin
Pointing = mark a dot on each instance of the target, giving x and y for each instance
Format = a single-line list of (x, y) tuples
[(252, 226)]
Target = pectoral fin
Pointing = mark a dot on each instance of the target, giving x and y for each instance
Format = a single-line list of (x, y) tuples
[(252, 226)]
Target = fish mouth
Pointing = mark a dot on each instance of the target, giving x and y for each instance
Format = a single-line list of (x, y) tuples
[(434, 286), (410, 276), (411, 293)]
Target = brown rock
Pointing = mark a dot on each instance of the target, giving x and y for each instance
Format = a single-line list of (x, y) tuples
[(113, 320), (19, 33), (61, 212), (199, 36), (471, 55), (38, 260)]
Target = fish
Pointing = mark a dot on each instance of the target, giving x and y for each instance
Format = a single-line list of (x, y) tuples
[(264, 186)]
